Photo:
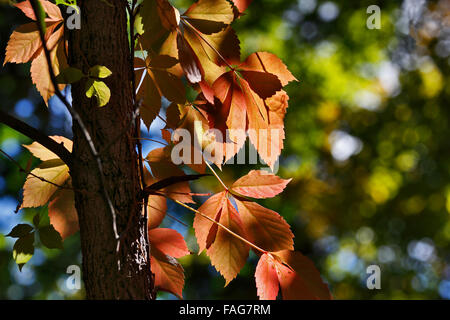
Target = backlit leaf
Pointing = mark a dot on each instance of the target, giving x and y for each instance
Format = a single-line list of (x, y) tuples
[(260, 184)]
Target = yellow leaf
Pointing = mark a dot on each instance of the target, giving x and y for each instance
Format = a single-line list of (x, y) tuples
[(36, 192), (41, 152)]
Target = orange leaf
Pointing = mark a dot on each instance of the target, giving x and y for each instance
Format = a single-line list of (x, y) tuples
[(264, 227), (23, 45), (169, 274), (228, 254), (154, 81), (260, 184), (168, 241), (40, 74), (62, 213), (202, 226), (157, 208), (268, 62)]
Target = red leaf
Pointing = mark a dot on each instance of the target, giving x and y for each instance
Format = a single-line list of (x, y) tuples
[(241, 5), (168, 241), (266, 278), (298, 277)]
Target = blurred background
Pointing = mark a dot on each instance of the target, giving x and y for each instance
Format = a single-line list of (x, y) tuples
[(367, 145)]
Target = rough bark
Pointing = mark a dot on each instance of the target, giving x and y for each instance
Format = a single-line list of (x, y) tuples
[(102, 40)]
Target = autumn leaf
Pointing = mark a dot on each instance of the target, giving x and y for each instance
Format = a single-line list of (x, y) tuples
[(252, 100), (25, 45), (168, 241), (228, 254), (52, 10), (241, 5), (259, 184), (169, 274), (162, 167), (62, 213), (154, 81), (267, 283), (157, 208), (202, 226), (189, 60), (43, 153), (268, 62), (36, 192), (166, 245), (264, 227), (210, 16), (296, 275), (61, 206)]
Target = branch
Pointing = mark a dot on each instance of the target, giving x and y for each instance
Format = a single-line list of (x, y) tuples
[(37, 136), (27, 172)]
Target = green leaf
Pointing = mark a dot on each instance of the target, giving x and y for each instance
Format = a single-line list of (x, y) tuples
[(99, 72), (20, 231), (50, 237), (70, 75), (23, 250), (98, 89)]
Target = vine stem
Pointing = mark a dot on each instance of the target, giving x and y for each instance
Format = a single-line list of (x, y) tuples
[(216, 175), (254, 246)]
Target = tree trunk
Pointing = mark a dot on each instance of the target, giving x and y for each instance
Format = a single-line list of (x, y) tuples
[(103, 40)]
